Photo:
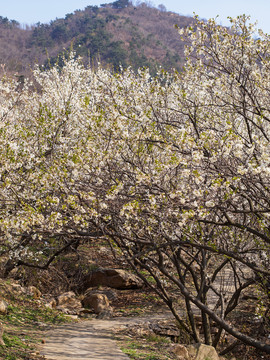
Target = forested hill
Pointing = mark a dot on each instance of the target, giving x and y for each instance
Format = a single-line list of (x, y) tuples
[(113, 33)]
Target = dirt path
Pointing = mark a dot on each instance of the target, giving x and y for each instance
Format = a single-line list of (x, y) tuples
[(91, 340)]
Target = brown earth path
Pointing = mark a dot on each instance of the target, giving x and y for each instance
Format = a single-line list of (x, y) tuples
[(89, 340)]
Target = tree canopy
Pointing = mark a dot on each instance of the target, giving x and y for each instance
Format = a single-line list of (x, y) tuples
[(173, 169)]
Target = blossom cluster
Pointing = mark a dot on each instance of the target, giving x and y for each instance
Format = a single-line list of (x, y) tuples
[(139, 156)]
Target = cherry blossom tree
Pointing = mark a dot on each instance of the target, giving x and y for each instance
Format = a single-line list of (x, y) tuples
[(174, 170), (193, 186)]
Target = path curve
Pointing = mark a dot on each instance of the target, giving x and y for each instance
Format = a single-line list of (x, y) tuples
[(90, 339)]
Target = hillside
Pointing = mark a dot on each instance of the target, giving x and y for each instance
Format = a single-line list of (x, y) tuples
[(113, 34)]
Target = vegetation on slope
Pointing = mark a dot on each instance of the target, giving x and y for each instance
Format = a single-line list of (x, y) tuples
[(24, 323), (113, 34)]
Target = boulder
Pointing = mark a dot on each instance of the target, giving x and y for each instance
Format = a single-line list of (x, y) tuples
[(98, 302), (117, 279), (195, 352), (202, 352), (110, 293), (68, 303), (68, 299), (3, 307), (51, 303), (33, 292), (181, 352)]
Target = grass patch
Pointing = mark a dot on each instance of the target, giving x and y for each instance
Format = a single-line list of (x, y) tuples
[(158, 339), (150, 348), (24, 326), (25, 315), (16, 347)]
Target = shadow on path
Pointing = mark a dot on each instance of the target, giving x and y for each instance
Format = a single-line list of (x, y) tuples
[(89, 339)]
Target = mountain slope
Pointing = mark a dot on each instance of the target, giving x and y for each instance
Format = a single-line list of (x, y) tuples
[(113, 34)]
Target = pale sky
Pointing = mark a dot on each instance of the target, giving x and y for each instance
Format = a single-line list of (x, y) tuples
[(33, 11)]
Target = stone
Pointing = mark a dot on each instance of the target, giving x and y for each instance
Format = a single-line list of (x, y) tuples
[(68, 298), (117, 279), (202, 352), (17, 288), (3, 307), (98, 302), (110, 293), (195, 352), (34, 292), (68, 303), (51, 303), (1, 334), (181, 352), (165, 328)]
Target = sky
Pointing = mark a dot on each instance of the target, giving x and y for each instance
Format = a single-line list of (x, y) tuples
[(33, 11)]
